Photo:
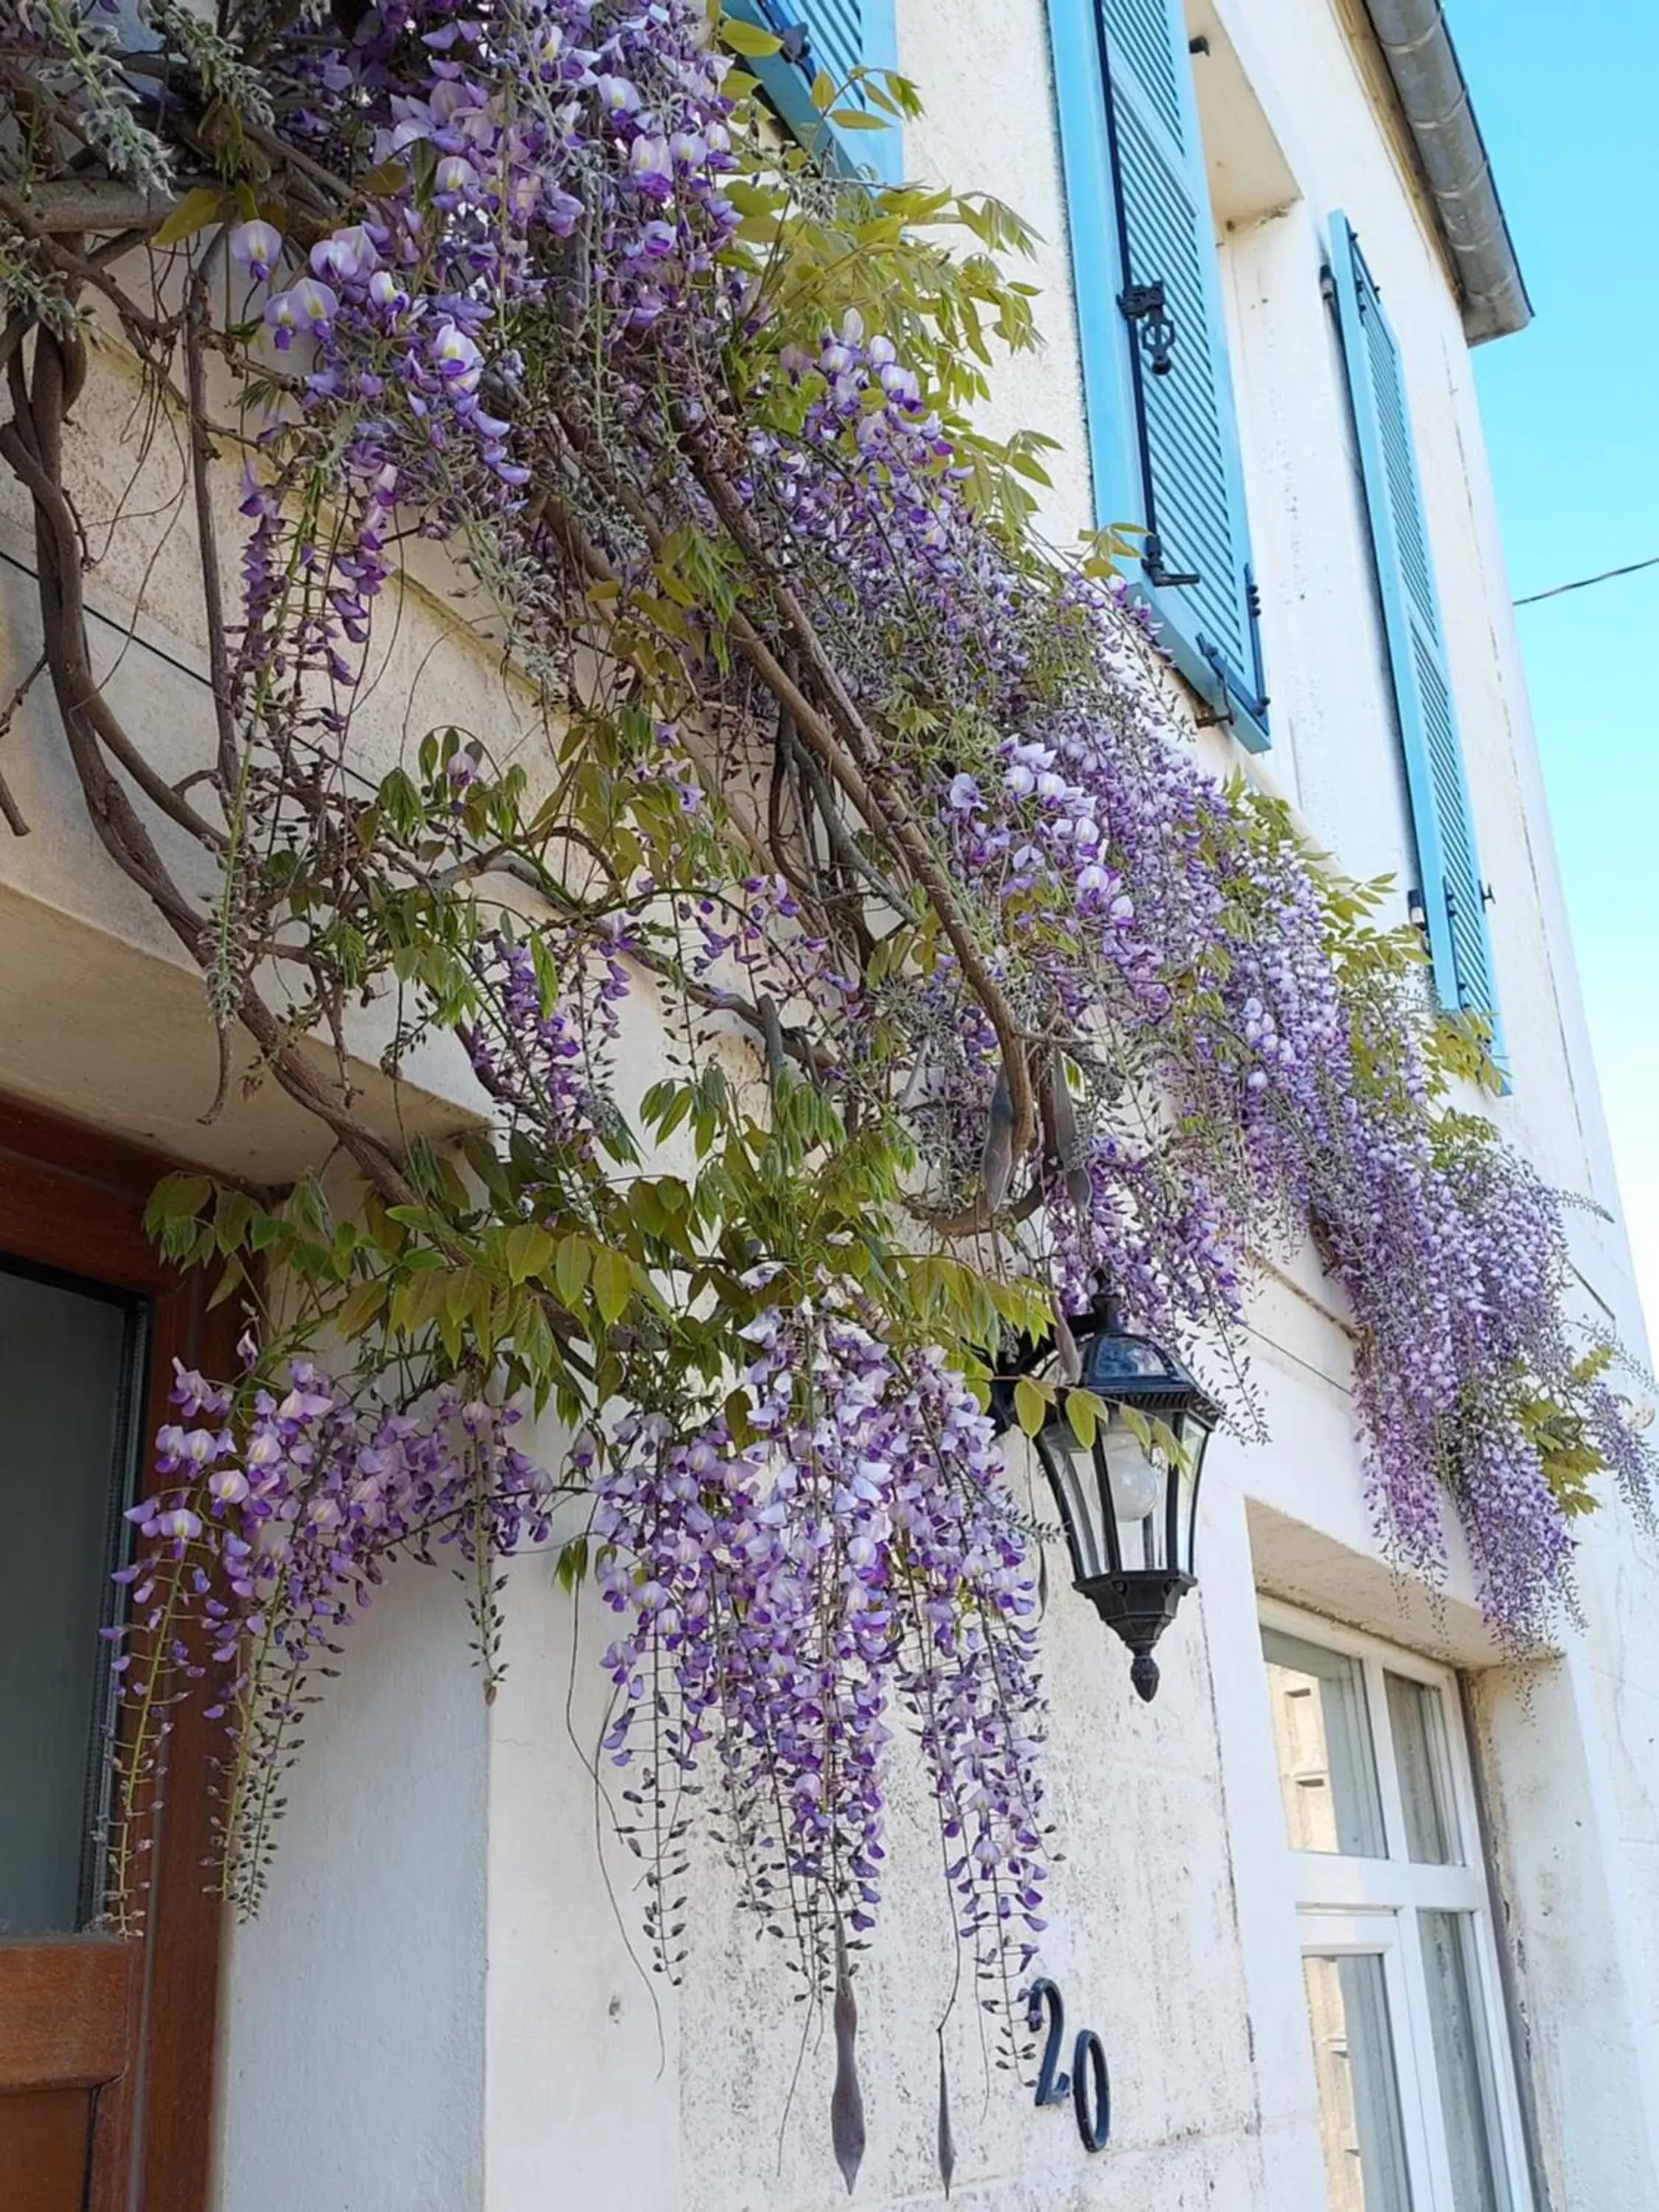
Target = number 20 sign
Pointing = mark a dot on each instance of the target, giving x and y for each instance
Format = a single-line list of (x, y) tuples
[(1088, 2085)]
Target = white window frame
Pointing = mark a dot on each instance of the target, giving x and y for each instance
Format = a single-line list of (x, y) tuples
[(1349, 1905)]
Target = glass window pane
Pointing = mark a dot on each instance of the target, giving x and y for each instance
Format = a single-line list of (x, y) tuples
[(1417, 1717), (1462, 2064), (1359, 2127), (66, 1448), (1327, 1768)]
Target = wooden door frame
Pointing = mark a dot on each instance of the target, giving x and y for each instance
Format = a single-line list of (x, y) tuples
[(73, 1201)]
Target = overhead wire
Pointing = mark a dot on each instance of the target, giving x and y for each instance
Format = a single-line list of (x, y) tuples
[(1582, 583)]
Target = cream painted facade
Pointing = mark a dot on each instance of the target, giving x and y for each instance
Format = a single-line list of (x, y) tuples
[(444, 2006)]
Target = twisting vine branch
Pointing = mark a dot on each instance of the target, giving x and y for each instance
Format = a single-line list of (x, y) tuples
[(856, 764), (31, 444)]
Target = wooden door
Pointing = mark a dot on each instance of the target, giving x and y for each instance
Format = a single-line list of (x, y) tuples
[(106, 2042)]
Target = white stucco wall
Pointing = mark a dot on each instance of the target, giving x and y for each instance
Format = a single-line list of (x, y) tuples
[(584, 2044), (444, 2007), (352, 2067)]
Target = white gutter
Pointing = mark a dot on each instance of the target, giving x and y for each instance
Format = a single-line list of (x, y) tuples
[(1429, 79)]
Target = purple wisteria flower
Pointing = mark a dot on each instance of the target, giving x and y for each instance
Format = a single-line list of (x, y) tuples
[(256, 246), (308, 307)]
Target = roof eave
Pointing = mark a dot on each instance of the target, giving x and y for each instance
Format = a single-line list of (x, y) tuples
[(1434, 98)]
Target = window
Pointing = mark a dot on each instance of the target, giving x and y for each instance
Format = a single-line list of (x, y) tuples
[(1454, 898), (836, 37), (1416, 2100), (71, 1375), (1162, 441)]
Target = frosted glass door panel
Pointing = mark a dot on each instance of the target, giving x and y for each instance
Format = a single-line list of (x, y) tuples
[(68, 1361), (1462, 2062), (1360, 2131)]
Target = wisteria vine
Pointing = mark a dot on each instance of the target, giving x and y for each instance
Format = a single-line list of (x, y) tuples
[(976, 996)]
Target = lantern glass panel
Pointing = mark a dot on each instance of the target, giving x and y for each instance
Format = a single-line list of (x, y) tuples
[(1071, 1468), (1137, 1482), (1195, 1435), (1115, 1361)]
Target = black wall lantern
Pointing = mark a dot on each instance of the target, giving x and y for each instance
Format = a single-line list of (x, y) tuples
[(1130, 1512)]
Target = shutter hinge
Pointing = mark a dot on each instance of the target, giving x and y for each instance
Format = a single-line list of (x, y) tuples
[(1145, 304), (1254, 705), (1327, 286)]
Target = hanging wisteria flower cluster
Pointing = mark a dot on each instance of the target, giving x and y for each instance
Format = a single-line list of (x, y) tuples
[(268, 1538), (974, 997), (783, 1599)]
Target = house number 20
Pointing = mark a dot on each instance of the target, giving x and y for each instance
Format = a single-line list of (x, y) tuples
[(1088, 2085)]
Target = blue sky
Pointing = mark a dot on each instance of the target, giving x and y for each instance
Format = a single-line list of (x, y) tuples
[(1565, 103)]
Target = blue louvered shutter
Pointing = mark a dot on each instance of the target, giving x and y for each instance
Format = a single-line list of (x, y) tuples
[(838, 37), (1163, 443), (1454, 902)]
